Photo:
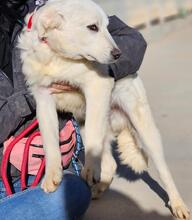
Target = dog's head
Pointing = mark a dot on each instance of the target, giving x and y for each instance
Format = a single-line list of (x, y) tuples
[(76, 29)]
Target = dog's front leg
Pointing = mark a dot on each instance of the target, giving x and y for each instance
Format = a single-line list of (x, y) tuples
[(108, 168), (48, 125), (98, 96), (138, 110)]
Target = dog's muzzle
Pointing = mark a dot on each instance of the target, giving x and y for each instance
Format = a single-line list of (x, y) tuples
[(116, 53)]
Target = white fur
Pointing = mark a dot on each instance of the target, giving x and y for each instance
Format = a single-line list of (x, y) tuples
[(71, 45)]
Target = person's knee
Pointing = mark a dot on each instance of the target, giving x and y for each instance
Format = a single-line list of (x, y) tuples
[(77, 194), (71, 198)]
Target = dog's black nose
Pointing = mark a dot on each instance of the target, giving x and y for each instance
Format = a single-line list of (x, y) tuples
[(116, 53)]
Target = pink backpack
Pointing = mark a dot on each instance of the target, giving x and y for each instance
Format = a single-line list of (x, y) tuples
[(27, 154)]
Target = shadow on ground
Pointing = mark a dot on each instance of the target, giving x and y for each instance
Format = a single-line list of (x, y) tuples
[(127, 173), (116, 206)]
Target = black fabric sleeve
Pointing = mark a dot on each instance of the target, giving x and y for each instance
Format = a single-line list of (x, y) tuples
[(132, 45), (14, 107)]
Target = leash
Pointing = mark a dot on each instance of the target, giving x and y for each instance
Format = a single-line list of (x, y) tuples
[(76, 163)]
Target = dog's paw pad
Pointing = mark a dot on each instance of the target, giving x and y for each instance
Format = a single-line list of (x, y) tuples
[(52, 180), (87, 175), (91, 175), (98, 189), (180, 211)]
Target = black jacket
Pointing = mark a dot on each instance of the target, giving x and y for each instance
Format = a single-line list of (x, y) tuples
[(132, 45)]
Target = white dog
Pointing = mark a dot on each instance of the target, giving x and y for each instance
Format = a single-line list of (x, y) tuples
[(64, 36)]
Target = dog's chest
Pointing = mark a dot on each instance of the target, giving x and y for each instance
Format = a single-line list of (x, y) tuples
[(75, 74)]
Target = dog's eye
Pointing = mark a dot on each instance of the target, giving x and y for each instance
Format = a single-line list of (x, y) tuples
[(93, 27)]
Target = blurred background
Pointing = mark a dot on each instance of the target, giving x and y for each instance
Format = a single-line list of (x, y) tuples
[(144, 12), (167, 75)]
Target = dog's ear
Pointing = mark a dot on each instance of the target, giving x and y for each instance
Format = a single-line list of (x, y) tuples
[(47, 20)]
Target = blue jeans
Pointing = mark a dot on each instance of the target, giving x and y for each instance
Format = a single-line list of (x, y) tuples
[(68, 202)]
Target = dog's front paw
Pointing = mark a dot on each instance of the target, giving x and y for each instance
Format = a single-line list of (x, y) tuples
[(179, 209), (98, 188), (52, 179), (91, 172)]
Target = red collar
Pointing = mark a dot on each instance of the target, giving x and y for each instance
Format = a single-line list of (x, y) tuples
[(29, 23), (29, 26)]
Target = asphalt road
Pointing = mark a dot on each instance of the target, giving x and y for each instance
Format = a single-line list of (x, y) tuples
[(167, 75)]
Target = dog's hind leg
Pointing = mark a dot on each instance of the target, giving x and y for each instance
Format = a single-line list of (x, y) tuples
[(130, 152), (129, 145), (134, 102)]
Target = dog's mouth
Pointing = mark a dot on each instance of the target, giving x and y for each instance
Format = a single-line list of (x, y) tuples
[(90, 57), (93, 59)]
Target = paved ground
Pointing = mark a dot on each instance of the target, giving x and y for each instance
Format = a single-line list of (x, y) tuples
[(167, 74)]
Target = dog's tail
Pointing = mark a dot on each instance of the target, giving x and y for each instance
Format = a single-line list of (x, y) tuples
[(130, 152)]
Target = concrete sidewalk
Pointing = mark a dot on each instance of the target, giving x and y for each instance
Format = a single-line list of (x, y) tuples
[(167, 75)]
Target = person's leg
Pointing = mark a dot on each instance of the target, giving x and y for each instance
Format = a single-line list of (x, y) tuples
[(68, 202)]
